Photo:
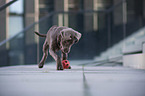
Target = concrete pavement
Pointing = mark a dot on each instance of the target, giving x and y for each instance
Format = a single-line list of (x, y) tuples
[(28, 80)]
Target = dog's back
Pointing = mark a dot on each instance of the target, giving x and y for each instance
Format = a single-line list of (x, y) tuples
[(53, 33)]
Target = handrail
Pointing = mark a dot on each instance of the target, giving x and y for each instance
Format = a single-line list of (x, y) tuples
[(27, 28), (6, 5)]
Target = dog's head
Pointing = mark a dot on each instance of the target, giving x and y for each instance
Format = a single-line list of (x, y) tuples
[(67, 38)]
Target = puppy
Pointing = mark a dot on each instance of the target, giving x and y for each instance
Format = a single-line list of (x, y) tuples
[(58, 38)]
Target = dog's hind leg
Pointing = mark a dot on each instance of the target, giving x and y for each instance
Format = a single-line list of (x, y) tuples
[(45, 54)]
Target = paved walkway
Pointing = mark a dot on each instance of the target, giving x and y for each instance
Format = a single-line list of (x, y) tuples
[(88, 81)]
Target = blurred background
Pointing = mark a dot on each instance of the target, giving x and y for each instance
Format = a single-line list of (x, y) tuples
[(110, 28)]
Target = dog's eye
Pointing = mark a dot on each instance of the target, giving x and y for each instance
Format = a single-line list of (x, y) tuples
[(76, 40), (67, 42), (70, 36)]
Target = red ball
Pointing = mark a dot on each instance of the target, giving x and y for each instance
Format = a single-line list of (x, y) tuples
[(66, 64)]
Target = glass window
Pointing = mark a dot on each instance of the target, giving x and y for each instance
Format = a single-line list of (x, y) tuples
[(17, 7), (16, 23), (16, 17)]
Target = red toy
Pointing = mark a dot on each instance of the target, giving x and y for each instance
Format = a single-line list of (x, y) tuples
[(66, 64)]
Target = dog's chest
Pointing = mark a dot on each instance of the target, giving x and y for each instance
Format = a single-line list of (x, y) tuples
[(55, 46)]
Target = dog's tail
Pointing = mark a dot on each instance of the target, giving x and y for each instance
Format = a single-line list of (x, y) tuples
[(41, 35)]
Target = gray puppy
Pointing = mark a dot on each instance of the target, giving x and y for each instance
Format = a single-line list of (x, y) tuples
[(58, 38)]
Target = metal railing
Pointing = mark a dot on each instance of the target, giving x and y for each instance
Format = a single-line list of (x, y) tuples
[(7, 4)]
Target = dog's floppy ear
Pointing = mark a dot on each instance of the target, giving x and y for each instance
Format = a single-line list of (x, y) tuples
[(77, 36), (62, 33)]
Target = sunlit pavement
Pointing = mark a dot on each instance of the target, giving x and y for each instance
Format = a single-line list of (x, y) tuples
[(28, 80)]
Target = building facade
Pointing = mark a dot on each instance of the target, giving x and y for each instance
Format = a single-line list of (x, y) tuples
[(102, 23)]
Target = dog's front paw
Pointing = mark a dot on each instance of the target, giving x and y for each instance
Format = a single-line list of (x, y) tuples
[(59, 67), (40, 65)]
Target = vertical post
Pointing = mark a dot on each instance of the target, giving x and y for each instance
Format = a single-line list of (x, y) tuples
[(95, 15), (3, 34), (88, 17), (143, 9), (66, 17), (109, 29), (37, 27), (31, 40), (124, 9), (59, 18)]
